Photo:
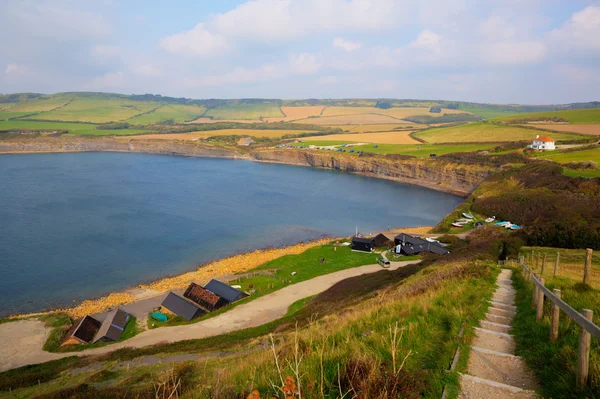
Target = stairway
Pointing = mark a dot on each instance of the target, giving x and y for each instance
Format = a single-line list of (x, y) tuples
[(493, 369)]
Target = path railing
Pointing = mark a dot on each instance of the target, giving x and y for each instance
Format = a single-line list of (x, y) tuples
[(584, 319), (584, 267)]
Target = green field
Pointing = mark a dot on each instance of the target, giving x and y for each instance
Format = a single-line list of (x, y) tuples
[(97, 110), (417, 150), (176, 112), (487, 113), (42, 104), (6, 115), (484, 132), (73, 128), (587, 173), (592, 154), (583, 116), (246, 111)]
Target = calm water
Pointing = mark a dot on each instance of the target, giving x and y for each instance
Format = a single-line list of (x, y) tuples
[(74, 226)]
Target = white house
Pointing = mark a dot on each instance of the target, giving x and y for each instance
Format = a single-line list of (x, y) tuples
[(543, 143)]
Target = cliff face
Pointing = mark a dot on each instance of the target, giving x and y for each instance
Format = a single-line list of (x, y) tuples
[(453, 178), (457, 179)]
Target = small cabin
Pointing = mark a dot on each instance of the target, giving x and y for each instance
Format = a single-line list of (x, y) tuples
[(245, 141), (113, 326), (182, 307), (362, 244), (381, 240), (203, 297), (82, 331), (225, 291), (543, 143)]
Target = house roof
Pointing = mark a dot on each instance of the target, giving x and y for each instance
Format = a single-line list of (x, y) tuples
[(201, 296), (415, 245), (182, 307), (362, 240), (544, 139), (223, 290), (408, 239), (113, 325), (84, 329)]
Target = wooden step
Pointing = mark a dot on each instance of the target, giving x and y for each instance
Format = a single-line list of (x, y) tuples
[(504, 306), (494, 340), (495, 326), (498, 319), (500, 367), (477, 388), (501, 312)]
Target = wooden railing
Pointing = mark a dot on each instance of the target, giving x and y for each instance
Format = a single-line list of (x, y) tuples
[(584, 319), (577, 267)]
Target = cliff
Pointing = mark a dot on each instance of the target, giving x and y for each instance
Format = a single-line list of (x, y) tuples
[(432, 173)]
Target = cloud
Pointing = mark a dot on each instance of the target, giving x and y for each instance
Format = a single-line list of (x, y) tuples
[(13, 69), (109, 80), (195, 42), (304, 64), (346, 45), (581, 31), (577, 73), (146, 70), (269, 22), (513, 53), (429, 41), (101, 52)]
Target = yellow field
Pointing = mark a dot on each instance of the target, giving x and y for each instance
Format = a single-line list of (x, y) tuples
[(293, 113), (208, 120), (393, 112), (224, 132), (383, 127), (353, 119), (593, 130), (375, 138)]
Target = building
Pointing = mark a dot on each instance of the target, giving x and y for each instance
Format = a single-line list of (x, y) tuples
[(543, 143), (245, 141), (182, 307), (381, 240), (225, 291), (411, 245), (203, 297), (362, 244), (82, 331), (113, 326)]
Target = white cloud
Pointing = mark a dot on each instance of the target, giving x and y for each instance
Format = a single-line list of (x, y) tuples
[(512, 53), (109, 80), (346, 45), (198, 42), (12, 69), (304, 64), (581, 31), (429, 41), (577, 73), (146, 70), (103, 52)]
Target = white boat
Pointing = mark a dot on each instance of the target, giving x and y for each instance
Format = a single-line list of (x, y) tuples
[(459, 225), (490, 220), (468, 215), (432, 240)]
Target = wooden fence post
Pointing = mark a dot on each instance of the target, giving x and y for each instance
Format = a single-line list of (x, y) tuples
[(535, 291), (555, 317), (543, 265), (583, 358), (540, 302), (537, 261), (587, 269), (556, 264)]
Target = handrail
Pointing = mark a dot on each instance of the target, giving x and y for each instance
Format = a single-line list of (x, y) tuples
[(586, 324)]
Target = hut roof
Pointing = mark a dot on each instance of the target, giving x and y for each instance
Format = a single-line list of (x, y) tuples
[(84, 329), (182, 307), (203, 297), (223, 290), (113, 325)]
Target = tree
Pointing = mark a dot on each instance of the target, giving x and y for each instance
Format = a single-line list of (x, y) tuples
[(435, 109), (383, 105)]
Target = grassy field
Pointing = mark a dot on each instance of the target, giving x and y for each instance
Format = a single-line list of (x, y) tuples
[(97, 110), (245, 111), (592, 129), (270, 133), (401, 137), (592, 154), (293, 113), (42, 104), (351, 119), (398, 113), (484, 132), (583, 116), (417, 150), (487, 113), (176, 112), (587, 173), (73, 128)]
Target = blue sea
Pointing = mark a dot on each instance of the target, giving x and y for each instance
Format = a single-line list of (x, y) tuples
[(80, 225)]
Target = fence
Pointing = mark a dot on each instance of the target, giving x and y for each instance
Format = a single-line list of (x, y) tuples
[(584, 319), (574, 264)]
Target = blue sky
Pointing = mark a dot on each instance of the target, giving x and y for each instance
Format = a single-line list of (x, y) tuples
[(501, 51)]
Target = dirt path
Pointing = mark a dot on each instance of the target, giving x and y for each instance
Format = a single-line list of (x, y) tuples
[(22, 341), (493, 369)]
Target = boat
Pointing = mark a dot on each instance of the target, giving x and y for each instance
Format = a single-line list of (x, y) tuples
[(515, 227), (501, 223), (159, 316), (490, 219), (468, 215), (459, 225), (431, 240)]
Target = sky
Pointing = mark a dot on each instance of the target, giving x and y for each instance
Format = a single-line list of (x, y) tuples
[(496, 51)]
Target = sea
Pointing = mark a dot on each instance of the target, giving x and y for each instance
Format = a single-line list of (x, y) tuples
[(75, 226)]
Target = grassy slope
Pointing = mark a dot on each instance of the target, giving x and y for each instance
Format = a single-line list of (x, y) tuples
[(592, 154), (245, 111), (556, 362), (583, 116), (73, 128), (487, 113), (421, 150), (483, 132), (179, 113)]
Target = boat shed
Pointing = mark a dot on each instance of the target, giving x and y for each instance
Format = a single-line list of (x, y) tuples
[(381, 240), (113, 326), (82, 331), (362, 244), (203, 297), (182, 307), (411, 245), (225, 291)]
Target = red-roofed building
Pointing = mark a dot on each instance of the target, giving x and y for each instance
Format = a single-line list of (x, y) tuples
[(543, 143)]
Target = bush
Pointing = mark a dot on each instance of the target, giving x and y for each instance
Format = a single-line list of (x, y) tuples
[(436, 110)]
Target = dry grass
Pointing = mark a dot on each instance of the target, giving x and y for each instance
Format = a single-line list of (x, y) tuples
[(208, 120), (383, 127), (224, 132), (293, 113), (352, 119), (376, 138), (393, 112), (593, 130)]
